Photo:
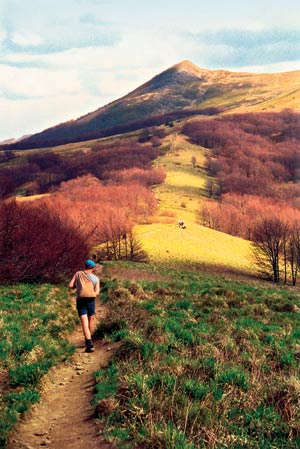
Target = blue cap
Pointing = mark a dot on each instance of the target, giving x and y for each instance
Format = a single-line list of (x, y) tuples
[(89, 263)]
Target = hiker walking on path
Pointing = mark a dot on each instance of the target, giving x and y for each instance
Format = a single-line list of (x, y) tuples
[(87, 287)]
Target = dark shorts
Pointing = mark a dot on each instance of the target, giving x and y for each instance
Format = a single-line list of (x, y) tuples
[(86, 306)]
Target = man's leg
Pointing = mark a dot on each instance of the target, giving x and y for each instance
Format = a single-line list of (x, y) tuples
[(86, 324), (84, 320), (91, 324)]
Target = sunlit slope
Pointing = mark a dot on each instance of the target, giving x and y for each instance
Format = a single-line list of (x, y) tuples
[(181, 195), (185, 185), (195, 243), (252, 92)]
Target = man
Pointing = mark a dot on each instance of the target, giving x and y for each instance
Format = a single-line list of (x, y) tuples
[(87, 288)]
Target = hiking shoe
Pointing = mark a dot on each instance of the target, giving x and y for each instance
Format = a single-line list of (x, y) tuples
[(89, 346)]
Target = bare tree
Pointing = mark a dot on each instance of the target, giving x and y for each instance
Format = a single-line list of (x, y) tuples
[(212, 189), (294, 251), (269, 238)]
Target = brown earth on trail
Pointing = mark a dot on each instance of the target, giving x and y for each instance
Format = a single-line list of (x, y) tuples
[(64, 417)]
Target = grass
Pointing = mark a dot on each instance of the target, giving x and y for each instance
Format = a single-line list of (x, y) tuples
[(183, 182), (34, 322), (203, 363), (169, 243), (180, 197)]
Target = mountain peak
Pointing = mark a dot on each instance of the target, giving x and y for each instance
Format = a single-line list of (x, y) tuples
[(188, 67), (180, 89), (179, 74)]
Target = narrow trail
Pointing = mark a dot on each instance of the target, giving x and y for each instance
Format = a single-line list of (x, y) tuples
[(64, 418)]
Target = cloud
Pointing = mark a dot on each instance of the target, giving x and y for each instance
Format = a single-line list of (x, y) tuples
[(33, 115), (38, 83), (58, 42), (11, 95), (40, 28), (26, 39), (251, 39), (92, 19), (238, 48), (27, 63)]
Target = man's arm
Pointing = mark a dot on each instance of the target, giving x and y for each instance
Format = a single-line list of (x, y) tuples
[(72, 282), (97, 288)]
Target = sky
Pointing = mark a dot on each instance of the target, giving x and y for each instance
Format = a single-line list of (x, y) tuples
[(61, 59)]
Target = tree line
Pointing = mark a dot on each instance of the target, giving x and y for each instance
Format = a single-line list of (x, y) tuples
[(39, 172), (47, 239), (255, 168), (257, 153), (276, 243)]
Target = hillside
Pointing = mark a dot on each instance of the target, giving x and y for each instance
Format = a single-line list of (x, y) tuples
[(182, 90), (180, 197)]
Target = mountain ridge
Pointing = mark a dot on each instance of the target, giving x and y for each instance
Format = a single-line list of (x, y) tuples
[(183, 88)]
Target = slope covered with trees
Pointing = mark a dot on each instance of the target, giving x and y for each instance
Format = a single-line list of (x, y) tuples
[(35, 172), (256, 161)]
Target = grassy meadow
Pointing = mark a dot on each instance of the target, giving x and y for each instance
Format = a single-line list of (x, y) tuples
[(203, 362), (34, 322), (195, 244), (184, 186), (180, 197)]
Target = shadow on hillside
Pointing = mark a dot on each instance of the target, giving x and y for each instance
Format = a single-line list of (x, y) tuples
[(153, 273)]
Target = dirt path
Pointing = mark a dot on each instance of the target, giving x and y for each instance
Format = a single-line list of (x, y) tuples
[(63, 419)]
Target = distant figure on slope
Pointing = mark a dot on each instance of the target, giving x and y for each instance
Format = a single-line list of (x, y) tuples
[(87, 287), (181, 224)]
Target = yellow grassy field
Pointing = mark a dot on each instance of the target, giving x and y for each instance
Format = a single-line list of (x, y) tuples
[(168, 242), (180, 198), (182, 194), (184, 187)]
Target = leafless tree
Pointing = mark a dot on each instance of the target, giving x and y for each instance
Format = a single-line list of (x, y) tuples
[(269, 238)]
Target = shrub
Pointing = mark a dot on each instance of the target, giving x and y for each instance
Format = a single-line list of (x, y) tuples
[(36, 245)]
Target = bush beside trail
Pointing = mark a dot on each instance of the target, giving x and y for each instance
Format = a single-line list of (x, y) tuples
[(36, 245)]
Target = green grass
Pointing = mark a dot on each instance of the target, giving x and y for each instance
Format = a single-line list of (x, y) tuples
[(203, 363), (34, 321)]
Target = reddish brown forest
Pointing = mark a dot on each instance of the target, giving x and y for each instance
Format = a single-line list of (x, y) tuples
[(255, 159), (97, 196), (47, 239), (40, 172), (256, 154)]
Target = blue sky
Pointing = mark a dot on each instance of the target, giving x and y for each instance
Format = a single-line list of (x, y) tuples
[(62, 59)]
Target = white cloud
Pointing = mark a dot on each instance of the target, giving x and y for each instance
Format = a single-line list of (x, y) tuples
[(287, 66), (26, 39), (35, 114), (32, 82)]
